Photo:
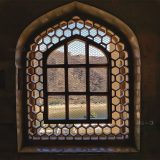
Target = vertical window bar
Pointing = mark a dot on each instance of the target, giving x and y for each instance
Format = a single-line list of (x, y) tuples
[(109, 89), (66, 80), (87, 82), (45, 92)]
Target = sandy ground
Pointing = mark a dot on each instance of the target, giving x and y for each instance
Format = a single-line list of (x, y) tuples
[(78, 111)]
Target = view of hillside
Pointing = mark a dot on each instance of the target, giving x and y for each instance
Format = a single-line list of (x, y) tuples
[(76, 83), (76, 76)]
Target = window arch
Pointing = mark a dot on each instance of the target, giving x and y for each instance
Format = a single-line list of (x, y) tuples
[(39, 87)]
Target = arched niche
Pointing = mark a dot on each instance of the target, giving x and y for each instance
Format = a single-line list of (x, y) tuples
[(101, 15)]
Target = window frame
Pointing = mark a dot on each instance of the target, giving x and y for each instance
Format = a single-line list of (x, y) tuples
[(87, 66)]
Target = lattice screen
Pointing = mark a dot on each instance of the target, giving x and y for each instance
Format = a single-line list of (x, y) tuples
[(119, 128)]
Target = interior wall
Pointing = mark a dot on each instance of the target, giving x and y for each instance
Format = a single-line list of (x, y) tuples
[(140, 15)]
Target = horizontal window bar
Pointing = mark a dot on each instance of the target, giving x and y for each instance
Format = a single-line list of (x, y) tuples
[(78, 93), (77, 121), (76, 65)]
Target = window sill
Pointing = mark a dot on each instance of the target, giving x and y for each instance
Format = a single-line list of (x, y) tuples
[(73, 150)]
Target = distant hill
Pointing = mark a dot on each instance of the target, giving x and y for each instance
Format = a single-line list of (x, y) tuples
[(77, 76)]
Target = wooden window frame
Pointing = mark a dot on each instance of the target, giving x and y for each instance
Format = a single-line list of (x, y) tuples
[(87, 93)]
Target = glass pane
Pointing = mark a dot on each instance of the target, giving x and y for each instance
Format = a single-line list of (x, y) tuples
[(96, 56), (55, 79), (77, 107), (56, 107), (98, 79), (98, 107), (76, 52), (56, 56), (77, 79)]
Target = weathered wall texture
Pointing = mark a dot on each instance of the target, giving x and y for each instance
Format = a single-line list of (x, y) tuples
[(143, 18)]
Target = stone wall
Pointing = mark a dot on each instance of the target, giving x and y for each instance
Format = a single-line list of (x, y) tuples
[(143, 18)]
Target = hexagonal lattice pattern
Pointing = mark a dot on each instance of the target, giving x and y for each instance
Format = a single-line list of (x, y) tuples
[(119, 128)]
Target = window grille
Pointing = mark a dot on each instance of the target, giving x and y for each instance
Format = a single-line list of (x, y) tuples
[(77, 81), (51, 53)]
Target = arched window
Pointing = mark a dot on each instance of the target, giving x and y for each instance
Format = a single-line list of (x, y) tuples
[(78, 83)]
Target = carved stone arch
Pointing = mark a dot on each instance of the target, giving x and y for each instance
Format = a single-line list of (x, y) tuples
[(93, 12)]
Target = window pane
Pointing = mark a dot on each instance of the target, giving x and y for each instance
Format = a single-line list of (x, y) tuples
[(55, 79), (77, 107), (56, 56), (77, 79), (56, 107), (96, 56), (76, 52), (98, 79), (98, 107)]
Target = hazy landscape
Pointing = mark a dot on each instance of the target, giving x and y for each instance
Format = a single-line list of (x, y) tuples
[(76, 83)]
